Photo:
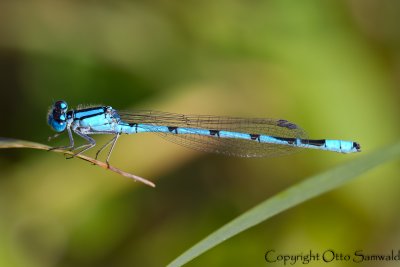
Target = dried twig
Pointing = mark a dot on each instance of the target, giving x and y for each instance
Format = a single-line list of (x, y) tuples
[(15, 143)]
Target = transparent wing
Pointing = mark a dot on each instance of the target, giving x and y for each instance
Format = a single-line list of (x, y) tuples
[(215, 144)]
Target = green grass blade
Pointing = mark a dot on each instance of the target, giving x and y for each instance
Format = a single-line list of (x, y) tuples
[(296, 194)]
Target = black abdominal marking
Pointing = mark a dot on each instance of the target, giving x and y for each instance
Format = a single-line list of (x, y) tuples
[(173, 129), (214, 132)]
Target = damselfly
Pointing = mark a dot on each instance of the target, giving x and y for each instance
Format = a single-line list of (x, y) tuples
[(227, 135)]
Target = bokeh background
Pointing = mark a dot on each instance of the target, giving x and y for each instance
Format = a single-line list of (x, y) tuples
[(333, 67)]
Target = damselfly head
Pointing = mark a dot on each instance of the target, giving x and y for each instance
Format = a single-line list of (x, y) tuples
[(56, 117)]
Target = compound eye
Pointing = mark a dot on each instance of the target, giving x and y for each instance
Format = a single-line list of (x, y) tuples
[(61, 105)]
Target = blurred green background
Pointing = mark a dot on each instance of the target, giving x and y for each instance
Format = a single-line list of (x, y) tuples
[(333, 67)]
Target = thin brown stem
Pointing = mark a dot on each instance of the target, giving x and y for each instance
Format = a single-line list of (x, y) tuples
[(15, 143)]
